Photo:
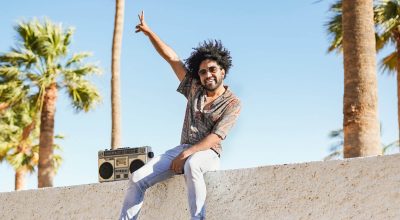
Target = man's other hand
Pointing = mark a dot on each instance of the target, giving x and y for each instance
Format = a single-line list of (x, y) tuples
[(178, 163)]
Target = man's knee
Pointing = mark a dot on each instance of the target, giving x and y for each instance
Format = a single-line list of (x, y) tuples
[(138, 175), (137, 180), (192, 164)]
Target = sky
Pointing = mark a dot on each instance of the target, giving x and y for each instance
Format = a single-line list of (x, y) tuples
[(290, 88)]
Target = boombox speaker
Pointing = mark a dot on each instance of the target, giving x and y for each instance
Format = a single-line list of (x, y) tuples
[(120, 163)]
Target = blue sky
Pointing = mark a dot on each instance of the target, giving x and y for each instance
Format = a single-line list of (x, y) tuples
[(291, 89)]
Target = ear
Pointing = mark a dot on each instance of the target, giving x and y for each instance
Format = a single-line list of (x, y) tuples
[(223, 73)]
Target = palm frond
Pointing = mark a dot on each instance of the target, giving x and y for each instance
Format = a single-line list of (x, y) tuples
[(83, 70), (4, 149), (83, 94), (77, 58), (16, 160), (59, 136), (68, 35), (336, 149), (25, 159), (336, 134), (386, 148), (381, 40), (57, 158), (12, 92), (389, 63), (334, 27), (8, 73), (20, 58), (387, 15), (28, 35), (334, 155)]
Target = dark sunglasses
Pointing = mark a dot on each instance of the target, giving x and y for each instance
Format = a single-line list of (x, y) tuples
[(211, 69)]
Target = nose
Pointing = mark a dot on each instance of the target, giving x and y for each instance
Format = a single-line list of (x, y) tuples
[(208, 74)]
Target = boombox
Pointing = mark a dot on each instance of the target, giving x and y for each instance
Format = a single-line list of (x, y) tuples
[(118, 164)]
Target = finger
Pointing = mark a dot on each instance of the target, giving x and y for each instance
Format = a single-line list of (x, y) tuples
[(178, 169), (142, 19)]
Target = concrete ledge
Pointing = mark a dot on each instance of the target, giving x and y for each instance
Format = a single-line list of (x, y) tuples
[(367, 188)]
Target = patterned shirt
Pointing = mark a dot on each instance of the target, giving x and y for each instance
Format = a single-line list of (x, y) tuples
[(217, 117)]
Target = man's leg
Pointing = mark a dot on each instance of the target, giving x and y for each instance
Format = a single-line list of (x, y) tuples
[(156, 170), (195, 166)]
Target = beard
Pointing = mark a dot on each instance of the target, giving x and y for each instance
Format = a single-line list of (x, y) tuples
[(211, 86)]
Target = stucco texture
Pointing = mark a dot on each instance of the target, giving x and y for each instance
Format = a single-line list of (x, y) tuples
[(363, 188)]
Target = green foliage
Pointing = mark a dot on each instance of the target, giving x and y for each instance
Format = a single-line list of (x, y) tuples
[(39, 59), (387, 15), (388, 63), (336, 149), (334, 27), (20, 153)]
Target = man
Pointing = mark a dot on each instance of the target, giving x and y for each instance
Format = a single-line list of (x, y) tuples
[(211, 111)]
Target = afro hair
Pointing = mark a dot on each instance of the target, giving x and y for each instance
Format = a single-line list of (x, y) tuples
[(213, 50)]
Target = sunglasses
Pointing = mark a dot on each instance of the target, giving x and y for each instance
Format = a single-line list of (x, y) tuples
[(211, 69)]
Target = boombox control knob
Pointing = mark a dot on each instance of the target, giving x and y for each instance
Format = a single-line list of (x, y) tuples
[(150, 154)]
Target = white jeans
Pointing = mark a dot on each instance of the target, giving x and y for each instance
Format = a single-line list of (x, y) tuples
[(158, 169)]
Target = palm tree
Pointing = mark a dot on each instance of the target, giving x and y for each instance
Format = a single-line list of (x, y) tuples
[(115, 78), (17, 134), (40, 61), (16, 123), (18, 126), (360, 101), (20, 155), (353, 32), (386, 16)]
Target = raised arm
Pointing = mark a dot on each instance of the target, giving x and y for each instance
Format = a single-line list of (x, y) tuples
[(163, 49)]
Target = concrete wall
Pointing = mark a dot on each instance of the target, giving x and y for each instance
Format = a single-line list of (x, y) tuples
[(367, 188)]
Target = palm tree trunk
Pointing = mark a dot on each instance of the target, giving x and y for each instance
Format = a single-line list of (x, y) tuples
[(20, 173), (360, 101), (46, 169), (19, 179), (115, 78), (26, 132)]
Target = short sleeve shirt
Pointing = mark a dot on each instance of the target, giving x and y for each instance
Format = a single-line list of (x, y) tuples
[(217, 117)]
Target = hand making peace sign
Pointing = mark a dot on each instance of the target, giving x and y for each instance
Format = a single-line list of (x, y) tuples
[(142, 26)]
